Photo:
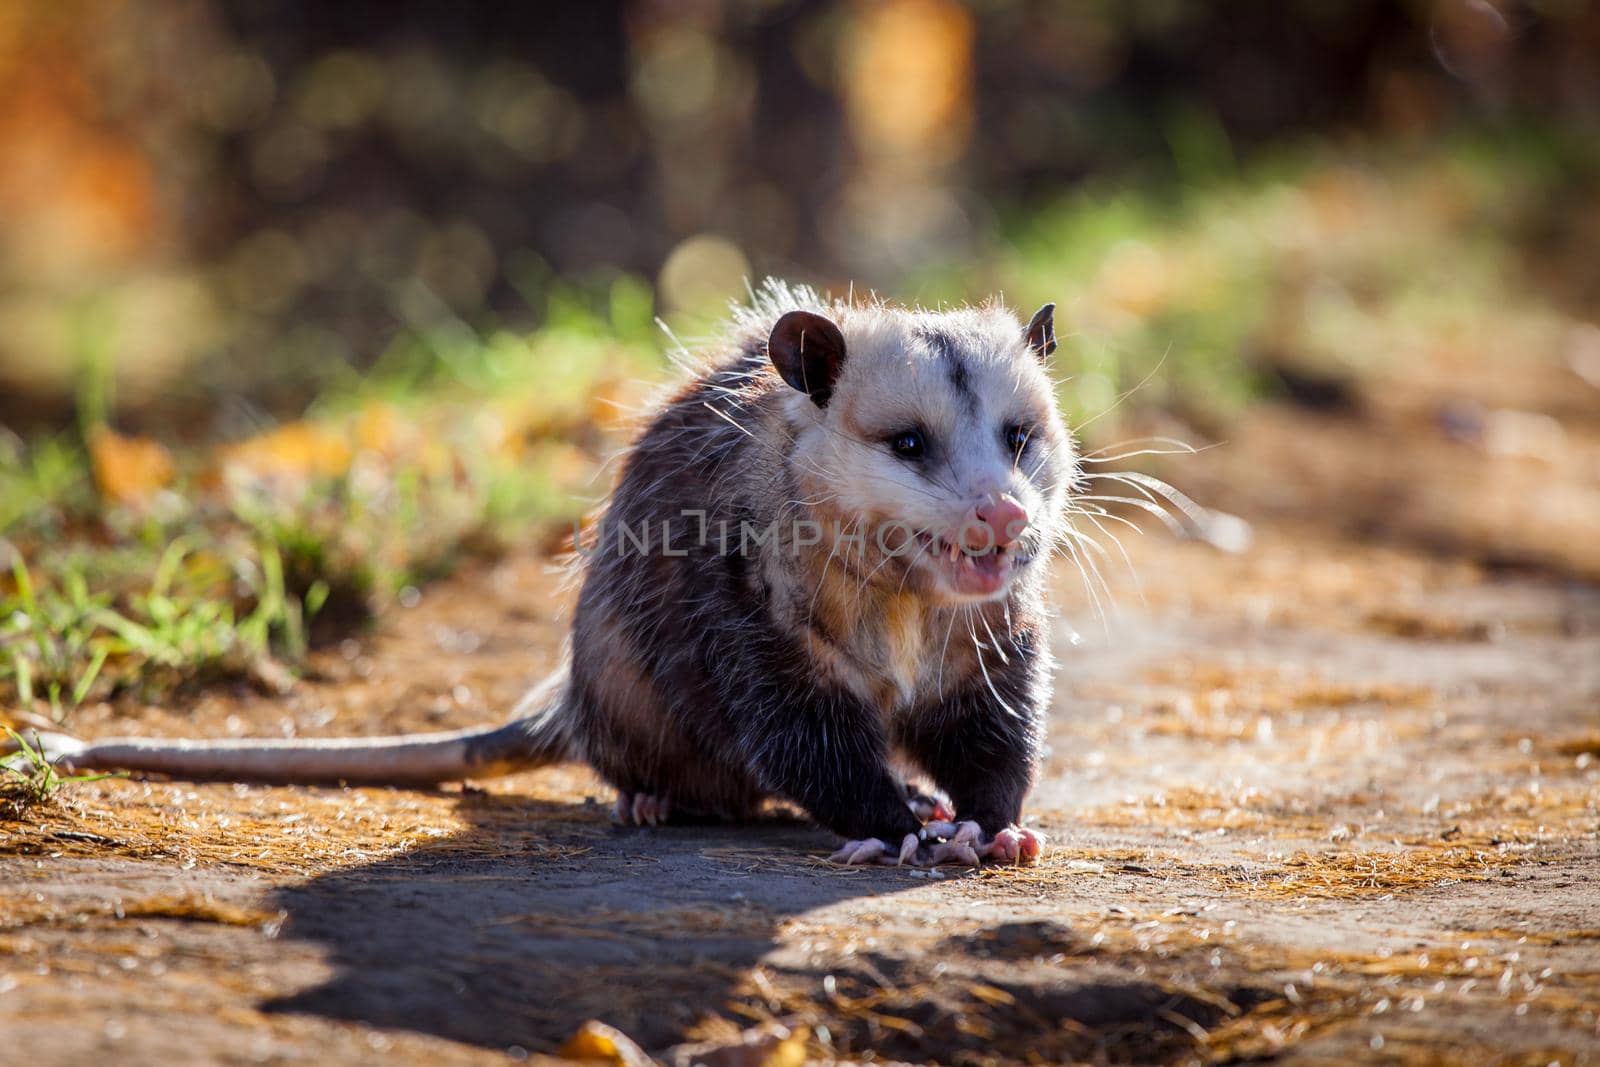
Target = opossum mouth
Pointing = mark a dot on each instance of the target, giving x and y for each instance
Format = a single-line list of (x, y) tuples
[(972, 572)]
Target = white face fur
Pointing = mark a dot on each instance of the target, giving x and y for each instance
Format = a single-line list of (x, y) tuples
[(937, 426)]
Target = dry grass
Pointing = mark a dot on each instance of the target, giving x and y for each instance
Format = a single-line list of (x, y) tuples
[(1211, 810), (1272, 690), (1474, 839), (1425, 626), (23, 912), (1578, 747), (1213, 703), (1415, 864), (1343, 874), (276, 831)]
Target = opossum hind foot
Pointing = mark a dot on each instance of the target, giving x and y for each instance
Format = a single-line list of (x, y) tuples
[(640, 809), (876, 850)]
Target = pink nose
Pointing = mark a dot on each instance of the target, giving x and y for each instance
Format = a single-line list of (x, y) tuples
[(1001, 522)]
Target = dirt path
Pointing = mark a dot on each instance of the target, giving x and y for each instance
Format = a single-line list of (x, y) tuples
[(1322, 799)]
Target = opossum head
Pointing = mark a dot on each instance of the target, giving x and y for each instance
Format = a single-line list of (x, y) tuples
[(932, 439)]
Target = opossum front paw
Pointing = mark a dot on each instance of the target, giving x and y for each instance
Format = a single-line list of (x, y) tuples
[(1015, 844), (946, 841), (963, 843), (640, 809), (941, 842), (876, 850)]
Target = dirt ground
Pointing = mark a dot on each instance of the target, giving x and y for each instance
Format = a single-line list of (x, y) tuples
[(1333, 797)]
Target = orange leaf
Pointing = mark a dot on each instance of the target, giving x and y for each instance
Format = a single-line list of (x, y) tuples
[(127, 470), (595, 1042), (296, 450)]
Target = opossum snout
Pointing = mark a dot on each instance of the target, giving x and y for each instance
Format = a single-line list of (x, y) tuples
[(998, 521)]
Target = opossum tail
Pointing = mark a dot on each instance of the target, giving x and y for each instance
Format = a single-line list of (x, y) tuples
[(536, 737)]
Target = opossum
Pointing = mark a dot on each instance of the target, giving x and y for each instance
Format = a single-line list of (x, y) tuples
[(822, 562)]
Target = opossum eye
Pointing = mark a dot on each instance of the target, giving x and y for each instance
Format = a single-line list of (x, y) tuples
[(1017, 437), (908, 444)]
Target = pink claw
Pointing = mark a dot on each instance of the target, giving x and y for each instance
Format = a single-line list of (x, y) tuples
[(908, 849)]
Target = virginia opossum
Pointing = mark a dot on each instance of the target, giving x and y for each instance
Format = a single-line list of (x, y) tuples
[(821, 561)]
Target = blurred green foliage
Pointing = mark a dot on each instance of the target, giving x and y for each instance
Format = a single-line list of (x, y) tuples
[(453, 444)]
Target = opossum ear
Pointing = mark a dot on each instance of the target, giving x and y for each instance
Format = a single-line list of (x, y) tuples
[(1041, 335), (808, 350)]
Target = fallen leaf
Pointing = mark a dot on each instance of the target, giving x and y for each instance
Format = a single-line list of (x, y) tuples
[(128, 470), (296, 451), (595, 1042)]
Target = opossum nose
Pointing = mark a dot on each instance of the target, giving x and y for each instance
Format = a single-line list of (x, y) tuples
[(1001, 522)]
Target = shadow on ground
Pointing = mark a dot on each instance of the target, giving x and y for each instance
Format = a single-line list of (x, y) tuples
[(541, 916)]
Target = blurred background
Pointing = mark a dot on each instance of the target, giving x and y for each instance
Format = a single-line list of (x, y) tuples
[(357, 287), (252, 199)]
